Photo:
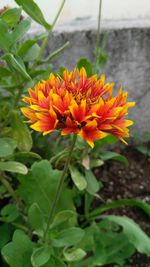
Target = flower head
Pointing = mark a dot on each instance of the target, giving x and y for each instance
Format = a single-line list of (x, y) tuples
[(78, 104)]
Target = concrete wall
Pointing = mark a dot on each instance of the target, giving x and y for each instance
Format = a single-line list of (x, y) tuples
[(128, 48)]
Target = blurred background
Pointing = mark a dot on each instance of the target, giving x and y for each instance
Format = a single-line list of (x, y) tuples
[(112, 9)]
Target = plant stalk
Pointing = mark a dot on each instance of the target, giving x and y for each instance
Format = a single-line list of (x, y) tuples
[(9, 188), (98, 33), (45, 41), (55, 53), (59, 187), (19, 95)]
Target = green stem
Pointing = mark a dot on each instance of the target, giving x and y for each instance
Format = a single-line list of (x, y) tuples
[(45, 41), (117, 204), (55, 53), (19, 95), (20, 226), (59, 187), (98, 34), (11, 191), (9, 188), (86, 205), (58, 13)]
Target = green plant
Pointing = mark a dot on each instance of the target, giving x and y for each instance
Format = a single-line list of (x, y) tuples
[(48, 190)]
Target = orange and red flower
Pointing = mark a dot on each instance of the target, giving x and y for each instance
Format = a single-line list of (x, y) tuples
[(78, 104)]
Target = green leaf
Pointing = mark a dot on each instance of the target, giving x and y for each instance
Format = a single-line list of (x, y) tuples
[(20, 132), (27, 155), (7, 146), (20, 30), (101, 56), (111, 245), (78, 178), (11, 16), (55, 262), (146, 136), (93, 185), (10, 213), (13, 63), (109, 139), (134, 233), (143, 149), (4, 72), (32, 9), (120, 203), (96, 163), (86, 162), (45, 180), (63, 216), (69, 237), (36, 219), (75, 254), (18, 252), (88, 242), (41, 73), (33, 53), (107, 155), (25, 47), (27, 158), (13, 166), (84, 62), (5, 42), (105, 244), (40, 256), (5, 233)]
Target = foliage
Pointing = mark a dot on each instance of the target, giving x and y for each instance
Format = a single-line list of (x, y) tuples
[(31, 167), (143, 147)]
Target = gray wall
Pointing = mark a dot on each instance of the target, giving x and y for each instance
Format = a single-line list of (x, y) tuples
[(128, 63)]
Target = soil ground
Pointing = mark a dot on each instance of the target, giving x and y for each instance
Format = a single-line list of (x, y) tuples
[(132, 181)]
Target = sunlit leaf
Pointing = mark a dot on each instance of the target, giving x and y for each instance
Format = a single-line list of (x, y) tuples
[(75, 254), (32, 9), (78, 178), (27, 155), (96, 163), (13, 166)]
